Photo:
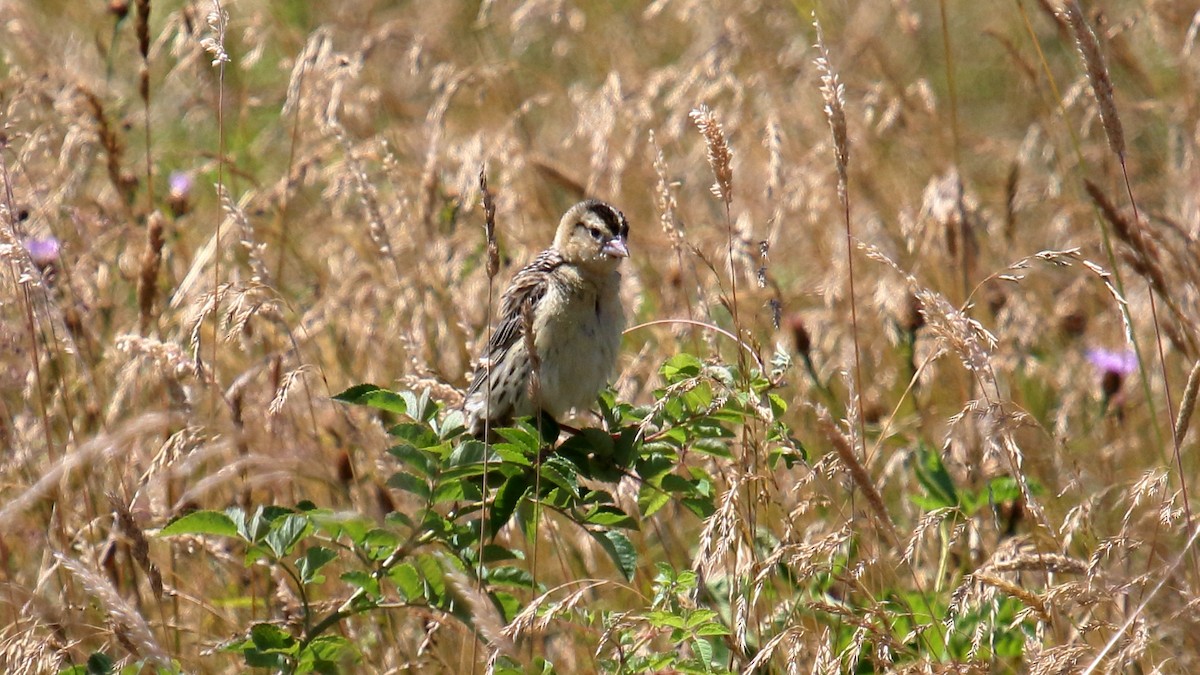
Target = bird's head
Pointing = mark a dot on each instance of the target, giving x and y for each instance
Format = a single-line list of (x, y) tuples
[(594, 235)]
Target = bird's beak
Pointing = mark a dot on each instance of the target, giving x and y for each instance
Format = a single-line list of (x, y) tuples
[(615, 248)]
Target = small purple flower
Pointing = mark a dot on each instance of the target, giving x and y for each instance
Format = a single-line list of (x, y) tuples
[(1114, 366), (44, 252), (1122, 362), (180, 184), (179, 192)]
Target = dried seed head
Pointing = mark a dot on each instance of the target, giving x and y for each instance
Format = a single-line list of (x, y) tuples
[(834, 94), (489, 224), (719, 156), (1097, 74)]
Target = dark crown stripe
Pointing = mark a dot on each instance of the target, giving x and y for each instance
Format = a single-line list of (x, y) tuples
[(614, 220)]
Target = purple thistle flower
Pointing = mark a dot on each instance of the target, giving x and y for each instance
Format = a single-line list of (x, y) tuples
[(179, 192), (44, 252), (1123, 362), (1113, 367), (180, 184)]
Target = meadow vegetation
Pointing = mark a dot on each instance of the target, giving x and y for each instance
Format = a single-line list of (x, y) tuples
[(915, 328)]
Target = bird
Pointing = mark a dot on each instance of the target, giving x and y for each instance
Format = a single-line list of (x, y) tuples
[(570, 297)]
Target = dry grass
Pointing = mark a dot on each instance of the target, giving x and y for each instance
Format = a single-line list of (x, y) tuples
[(179, 346)]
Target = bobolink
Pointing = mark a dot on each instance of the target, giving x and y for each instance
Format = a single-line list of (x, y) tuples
[(570, 295)]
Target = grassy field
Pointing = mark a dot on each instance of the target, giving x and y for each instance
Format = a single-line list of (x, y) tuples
[(906, 388)]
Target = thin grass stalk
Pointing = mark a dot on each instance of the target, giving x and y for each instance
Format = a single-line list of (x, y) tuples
[(1102, 87), (143, 37), (26, 300), (217, 22), (720, 159), (492, 268), (294, 141), (1105, 234), (834, 92), (952, 88)]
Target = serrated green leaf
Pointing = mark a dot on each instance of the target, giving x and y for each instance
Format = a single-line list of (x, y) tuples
[(662, 619), (328, 649), (374, 397), (710, 630), (713, 447), (610, 516), (680, 367), (704, 652), (651, 499), (560, 474), (267, 637), (313, 560), (407, 580), (620, 549), (410, 483), (434, 578), (201, 522), (359, 579), (507, 575), (524, 437), (285, 533), (413, 458), (507, 498)]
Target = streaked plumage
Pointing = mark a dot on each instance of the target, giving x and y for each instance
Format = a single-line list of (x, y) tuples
[(573, 291)]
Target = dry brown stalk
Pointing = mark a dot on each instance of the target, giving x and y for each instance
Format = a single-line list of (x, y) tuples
[(114, 149), (128, 626), (858, 473), (139, 546), (148, 272)]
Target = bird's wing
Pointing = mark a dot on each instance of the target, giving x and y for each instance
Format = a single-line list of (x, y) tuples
[(529, 286)]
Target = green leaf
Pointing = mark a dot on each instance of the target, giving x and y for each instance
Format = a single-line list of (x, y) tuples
[(704, 651), (373, 397), (363, 580), (286, 532), (713, 447), (711, 630), (99, 663), (413, 458), (562, 474), (523, 436), (508, 575), (620, 549), (651, 499), (680, 367), (201, 522), (662, 619), (610, 516), (507, 498), (314, 559), (934, 477), (410, 483), (407, 580), (268, 637), (325, 654), (434, 578), (653, 467)]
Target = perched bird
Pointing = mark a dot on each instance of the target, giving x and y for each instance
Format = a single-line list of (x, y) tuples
[(570, 296)]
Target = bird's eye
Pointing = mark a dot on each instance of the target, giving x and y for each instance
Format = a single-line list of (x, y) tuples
[(596, 234)]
